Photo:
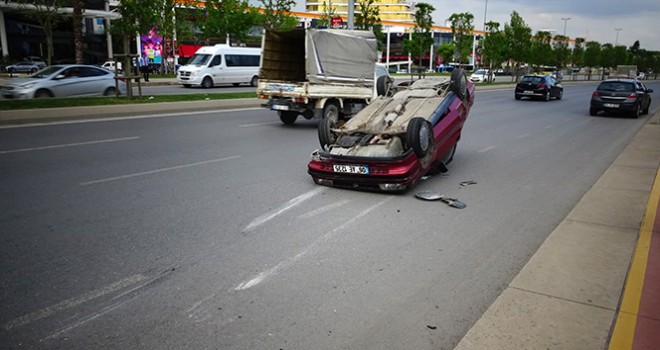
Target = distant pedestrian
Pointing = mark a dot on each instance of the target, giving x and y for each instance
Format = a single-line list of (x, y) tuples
[(144, 67)]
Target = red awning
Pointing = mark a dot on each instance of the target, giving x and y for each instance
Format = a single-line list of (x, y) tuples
[(185, 50)]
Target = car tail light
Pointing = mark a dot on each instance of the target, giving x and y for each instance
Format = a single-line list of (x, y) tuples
[(632, 97), (595, 94), (300, 100), (541, 86)]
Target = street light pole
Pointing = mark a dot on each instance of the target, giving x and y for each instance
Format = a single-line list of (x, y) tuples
[(617, 36), (485, 11), (565, 20)]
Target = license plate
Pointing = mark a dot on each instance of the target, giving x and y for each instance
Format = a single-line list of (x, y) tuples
[(281, 107), (527, 92), (351, 169), (611, 105)]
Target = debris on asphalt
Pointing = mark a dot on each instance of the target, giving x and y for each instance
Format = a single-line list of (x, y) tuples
[(431, 327), (434, 196), (470, 182)]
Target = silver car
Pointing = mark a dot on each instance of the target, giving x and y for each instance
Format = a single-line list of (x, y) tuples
[(24, 67), (64, 81)]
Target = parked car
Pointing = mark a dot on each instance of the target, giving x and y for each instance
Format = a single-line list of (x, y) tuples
[(110, 65), (628, 96), (394, 141), (64, 81), (481, 76), (37, 60), (23, 67), (537, 86)]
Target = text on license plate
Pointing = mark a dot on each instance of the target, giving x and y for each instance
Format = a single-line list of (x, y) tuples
[(351, 169), (527, 92), (281, 107), (611, 105)]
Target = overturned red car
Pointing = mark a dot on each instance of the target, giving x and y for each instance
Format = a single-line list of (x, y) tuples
[(394, 141)]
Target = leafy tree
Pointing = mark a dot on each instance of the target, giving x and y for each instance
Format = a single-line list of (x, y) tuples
[(577, 56), (421, 40), (620, 55), (494, 46), (541, 53), (607, 56), (518, 40), (368, 18), (46, 13), (592, 56), (137, 16), (561, 51), (229, 19), (277, 15), (446, 52), (461, 29), (328, 14)]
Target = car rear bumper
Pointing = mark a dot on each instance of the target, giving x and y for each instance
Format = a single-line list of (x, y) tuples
[(614, 106), (384, 174)]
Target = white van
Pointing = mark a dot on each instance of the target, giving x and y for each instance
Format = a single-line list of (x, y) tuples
[(221, 64)]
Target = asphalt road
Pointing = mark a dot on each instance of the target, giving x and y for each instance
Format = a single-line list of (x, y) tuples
[(204, 231)]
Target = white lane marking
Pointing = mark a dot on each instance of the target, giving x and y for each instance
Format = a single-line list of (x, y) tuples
[(91, 317), (144, 116), (156, 171), (69, 303), (290, 204), (69, 145), (257, 124), (322, 210), (489, 148), (289, 262)]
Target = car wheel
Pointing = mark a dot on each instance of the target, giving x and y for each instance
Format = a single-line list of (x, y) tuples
[(12, 70), (381, 86), (458, 83), (186, 85), (207, 83), (111, 91), (33, 70), (517, 97), (254, 81), (326, 135), (331, 111), (419, 136), (547, 95), (593, 111), (287, 117), (638, 111), (43, 94), (646, 109), (561, 94)]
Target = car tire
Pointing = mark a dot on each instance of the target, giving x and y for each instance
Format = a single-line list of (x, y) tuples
[(419, 136), (288, 117), (518, 97), (381, 86), (327, 137), (331, 111), (254, 81), (561, 94), (547, 96), (593, 111), (638, 111), (207, 82), (458, 83), (646, 109), (43, 94), (111, 91), (33, 70), (12, 70)]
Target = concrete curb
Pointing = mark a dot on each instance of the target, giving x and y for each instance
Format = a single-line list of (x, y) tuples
[(567, 296)]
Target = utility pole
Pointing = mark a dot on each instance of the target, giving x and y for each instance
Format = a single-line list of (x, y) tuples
[(565, 20), (616, 42)]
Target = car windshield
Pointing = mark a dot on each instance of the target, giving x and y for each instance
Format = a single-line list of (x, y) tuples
[(480, 72), (200, 59), (46, 72), (616, 86), (533, 80)]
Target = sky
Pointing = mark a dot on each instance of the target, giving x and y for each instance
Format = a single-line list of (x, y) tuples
[(589, 19)]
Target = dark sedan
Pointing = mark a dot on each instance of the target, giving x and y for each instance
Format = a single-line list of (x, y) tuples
[(542, 87), (626, 96)]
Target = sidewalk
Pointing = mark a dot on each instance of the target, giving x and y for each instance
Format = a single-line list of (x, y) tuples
[(595, 282)]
